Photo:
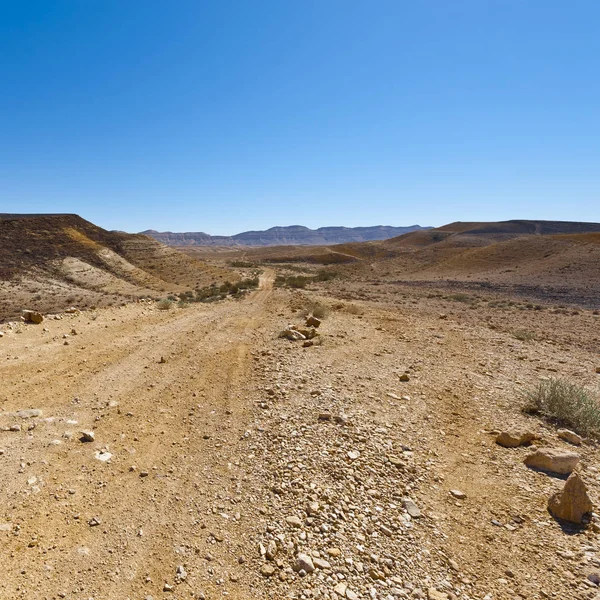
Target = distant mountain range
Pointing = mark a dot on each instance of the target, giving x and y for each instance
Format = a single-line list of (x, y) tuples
[(294, 235)]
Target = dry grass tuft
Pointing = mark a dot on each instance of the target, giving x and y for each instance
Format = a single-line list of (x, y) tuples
[(565, 403)]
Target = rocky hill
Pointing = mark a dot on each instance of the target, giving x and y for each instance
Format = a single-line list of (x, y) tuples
[(49, 261), (284, 236)]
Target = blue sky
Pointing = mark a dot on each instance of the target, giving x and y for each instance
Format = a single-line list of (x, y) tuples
[(228, 116)]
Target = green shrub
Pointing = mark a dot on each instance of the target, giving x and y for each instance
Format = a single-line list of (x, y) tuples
[(565, 403), (164, 304), (524, 335)]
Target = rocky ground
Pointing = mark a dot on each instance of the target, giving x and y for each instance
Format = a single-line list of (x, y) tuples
[(223, 461)]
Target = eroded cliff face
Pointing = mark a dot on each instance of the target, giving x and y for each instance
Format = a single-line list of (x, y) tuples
[(283, 236)]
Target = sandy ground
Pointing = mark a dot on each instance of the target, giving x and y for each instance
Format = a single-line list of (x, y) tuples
[(212, 426)]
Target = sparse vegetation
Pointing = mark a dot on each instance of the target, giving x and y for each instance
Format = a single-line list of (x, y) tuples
[(524, 335), (301, 281), (565, 403), (164, 304)]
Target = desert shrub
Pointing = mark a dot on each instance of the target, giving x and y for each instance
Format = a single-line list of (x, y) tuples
[(524, 335), (354, 309), (164, 304), (461, 298), (565, 403), (326, 275), (316, 309), (183, 304), (293, 281), (242, 264)]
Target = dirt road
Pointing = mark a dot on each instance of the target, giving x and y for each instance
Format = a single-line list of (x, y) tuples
[(211, 433)]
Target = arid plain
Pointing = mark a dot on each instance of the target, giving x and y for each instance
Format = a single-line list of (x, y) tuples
[(160, 439)]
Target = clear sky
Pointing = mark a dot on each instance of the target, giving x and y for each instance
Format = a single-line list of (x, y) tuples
[(225, 116)]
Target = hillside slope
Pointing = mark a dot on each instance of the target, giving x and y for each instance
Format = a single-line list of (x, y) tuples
[(48, 261)]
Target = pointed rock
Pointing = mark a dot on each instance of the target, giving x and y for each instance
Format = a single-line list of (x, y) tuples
[(572, 503)]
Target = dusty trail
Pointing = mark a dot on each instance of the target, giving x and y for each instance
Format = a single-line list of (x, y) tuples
[(172, 429)]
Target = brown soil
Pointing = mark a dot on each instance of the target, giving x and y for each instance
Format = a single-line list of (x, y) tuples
[(213, 426)]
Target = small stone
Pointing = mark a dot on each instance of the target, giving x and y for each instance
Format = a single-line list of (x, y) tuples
[(271, 551), (312, 321), (294, 521), (411, 508), (570, 436), (458, 494), (87, 436), (512, 439), (29, 413), (594, 578), (94, 521), (340, 589), (181, 573), (353, 454), (304, 563), (167, 587), (103, 455), (351, 595), (433, 594), (325, 416), (321, 563), (404, 377)]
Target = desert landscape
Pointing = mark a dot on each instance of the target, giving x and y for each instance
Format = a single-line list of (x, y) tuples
[(360, 420)]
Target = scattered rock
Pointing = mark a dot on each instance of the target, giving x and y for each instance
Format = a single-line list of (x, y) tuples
[(512, 439), (572, 503), (553, 460), (32, 316), (29, 413), (87, 436), (292, 334), (433, 594), (293, 521), (312, 321), (94, 521), (321, 563), (570, 436), (181, 573), (103, 455), (411, 508), (267, 570), (304, 563), (271, 551), (594, 578), (458, 494), (404, 377)]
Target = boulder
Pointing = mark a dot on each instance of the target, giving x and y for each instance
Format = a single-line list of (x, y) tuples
[(513, 439), (553, 460), (32, 316), (570, 436), (572, 503)]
